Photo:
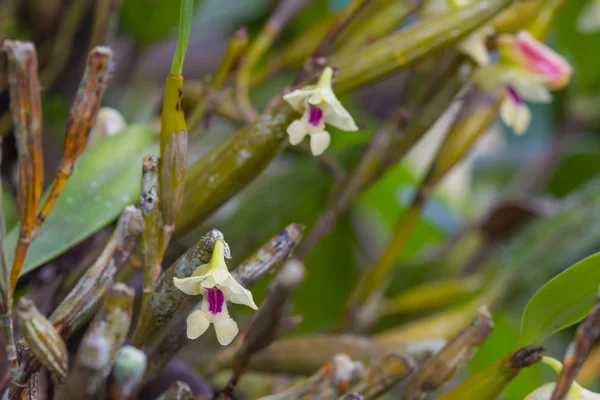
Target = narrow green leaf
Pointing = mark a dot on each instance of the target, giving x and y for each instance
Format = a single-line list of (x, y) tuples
[(105, 180), (563, 301), (186, 15)]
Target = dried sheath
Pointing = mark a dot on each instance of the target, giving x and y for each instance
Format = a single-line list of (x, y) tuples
[(100, 345), (173, 156), (149, 206), (26, 111), (43, 339), (82, 301), (82, 117)]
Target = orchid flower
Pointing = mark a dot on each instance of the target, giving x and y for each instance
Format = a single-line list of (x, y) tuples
[(545, 391), (214, 282), (526, 70), (319, 106)]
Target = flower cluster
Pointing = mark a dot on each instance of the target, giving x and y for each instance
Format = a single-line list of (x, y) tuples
[(319, 106), (526, 70), (214, 282), (576, 392)]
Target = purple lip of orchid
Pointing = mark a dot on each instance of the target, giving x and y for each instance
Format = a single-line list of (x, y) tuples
[(215, 298), (315, 115), (514, 95)]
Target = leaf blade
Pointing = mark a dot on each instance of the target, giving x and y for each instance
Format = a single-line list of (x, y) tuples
[(561, 302)]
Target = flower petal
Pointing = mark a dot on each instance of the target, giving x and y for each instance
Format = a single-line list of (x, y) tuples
[(544, 392), (533, 91), (197, 324), (226, 330), (475, 47), (297, 130), (319, 142), (522, 119), (238, 294), (191, 286), (299, 97)]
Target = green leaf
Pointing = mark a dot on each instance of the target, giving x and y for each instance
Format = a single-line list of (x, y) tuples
[(563, 301), (105, 180)]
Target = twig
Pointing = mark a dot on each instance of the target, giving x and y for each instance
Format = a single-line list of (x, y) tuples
[(25, 106), (265, 324), (82, 117), (577, 352), (106, 16), (235, 49), (329, 382), (285, 11), (60, 48), (478, 112), (451, 359), (81, 302), (150, 236), (345, 16), (384, 374)]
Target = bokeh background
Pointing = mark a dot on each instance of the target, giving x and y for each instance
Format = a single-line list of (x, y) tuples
[(560, 151)]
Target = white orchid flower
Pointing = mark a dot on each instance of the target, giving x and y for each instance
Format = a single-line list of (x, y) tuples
[(545, 391), (214, 282), (526, 70), (319, 107)]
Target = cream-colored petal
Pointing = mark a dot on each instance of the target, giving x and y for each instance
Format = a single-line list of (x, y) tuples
[(336, 115), (220, 273), (475, 47), (507, 111), (238, 294), (533, 91), (226, 330), (209, 282), (298, 98), (586, 394), (522, 119), (319, 142), (297, 131), (544, 392), (589, 17), (197, 324), (191, 286), (202, 270)]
